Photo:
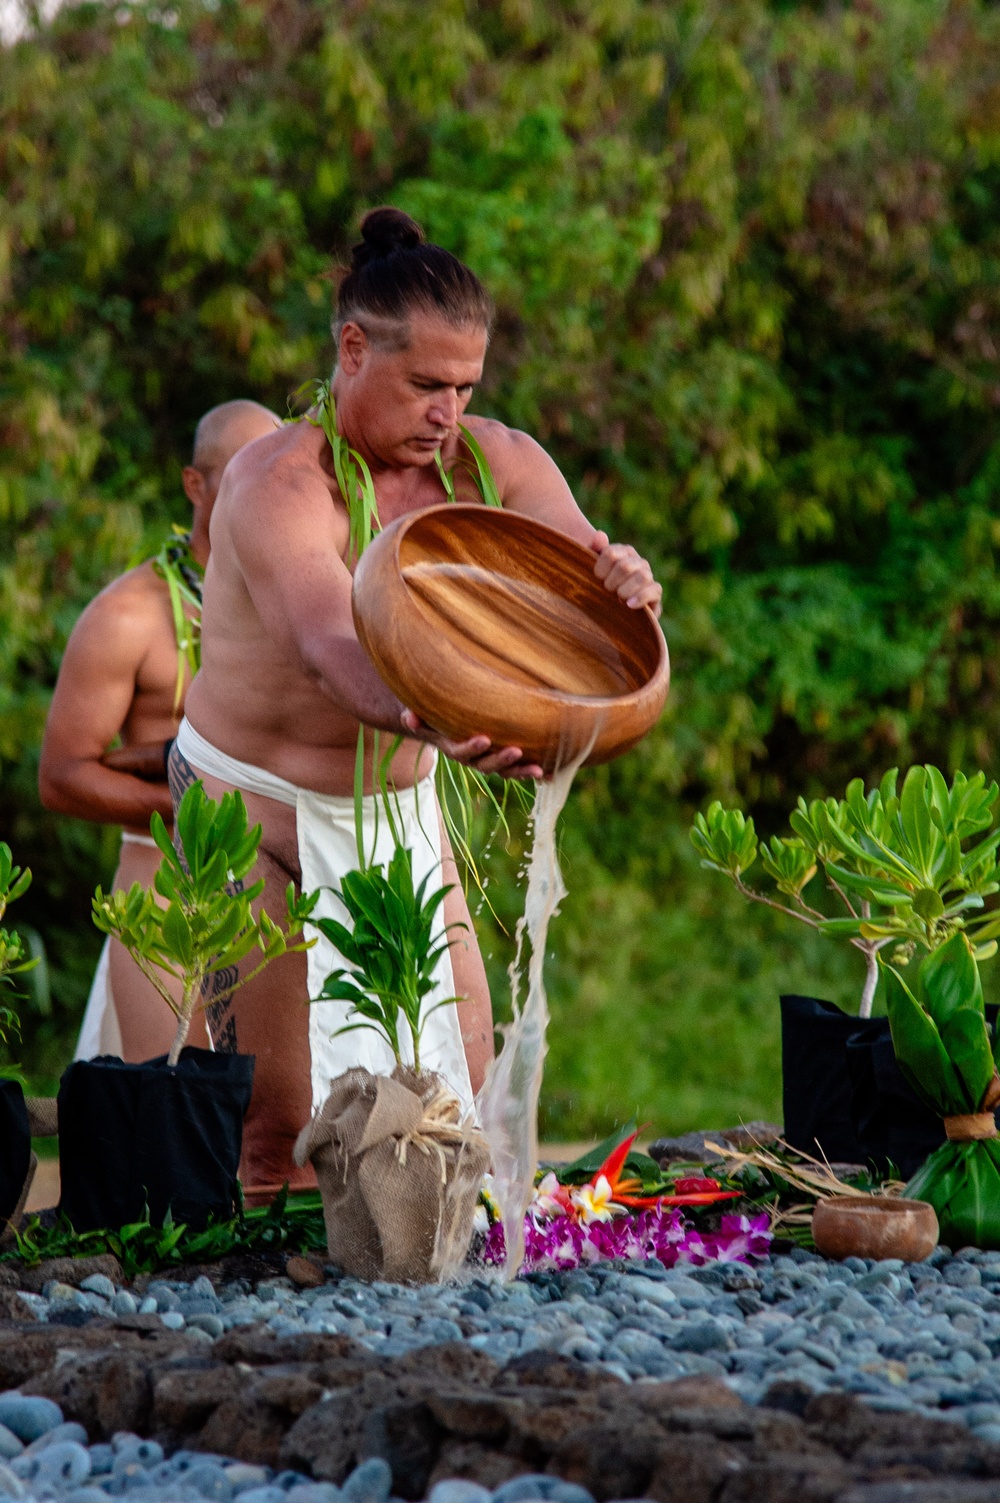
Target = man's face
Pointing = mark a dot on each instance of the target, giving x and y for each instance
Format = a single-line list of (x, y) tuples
[(407, 402)]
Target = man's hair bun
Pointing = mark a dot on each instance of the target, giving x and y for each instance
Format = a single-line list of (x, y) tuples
[(395, 272), (382, 232)]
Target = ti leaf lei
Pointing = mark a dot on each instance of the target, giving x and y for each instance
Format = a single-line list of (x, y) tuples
[(184, 576)]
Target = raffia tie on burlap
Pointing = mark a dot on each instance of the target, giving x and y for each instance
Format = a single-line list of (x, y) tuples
[(438, 1126), (399, 1174)]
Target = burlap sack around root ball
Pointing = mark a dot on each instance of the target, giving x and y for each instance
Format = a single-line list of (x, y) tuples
[(399, 1175)]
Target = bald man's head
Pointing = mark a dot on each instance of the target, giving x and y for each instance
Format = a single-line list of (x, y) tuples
[(225, 429), (222, 432)]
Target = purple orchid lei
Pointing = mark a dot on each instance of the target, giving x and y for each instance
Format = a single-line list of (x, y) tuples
[(561, 1242)]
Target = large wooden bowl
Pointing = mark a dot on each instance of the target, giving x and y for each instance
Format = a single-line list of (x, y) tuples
[(483, 621), (868, 1226)]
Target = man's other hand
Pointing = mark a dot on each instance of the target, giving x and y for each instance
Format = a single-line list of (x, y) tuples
[(478, 751), (148, 762), (624, 571)]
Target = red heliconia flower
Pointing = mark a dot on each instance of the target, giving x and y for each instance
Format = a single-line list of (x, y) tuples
[(687, 1192)]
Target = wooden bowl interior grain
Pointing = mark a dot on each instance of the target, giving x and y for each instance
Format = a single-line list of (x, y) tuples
[(525, 603)]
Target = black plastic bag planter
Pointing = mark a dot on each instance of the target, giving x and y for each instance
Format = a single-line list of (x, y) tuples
[(15, 1148), (138, 1136), (816, 1088), (844, 1095), (894, 1127)]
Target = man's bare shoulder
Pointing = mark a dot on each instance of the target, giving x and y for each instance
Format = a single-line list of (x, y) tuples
[(124, 621), (528, 479), (137, 595), (286, 461), (503, 445)]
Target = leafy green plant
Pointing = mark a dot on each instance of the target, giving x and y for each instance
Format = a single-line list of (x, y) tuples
[(391, 950), (14, 957), (943, 1045), (906, 866), (291, 1223), (208, 924)]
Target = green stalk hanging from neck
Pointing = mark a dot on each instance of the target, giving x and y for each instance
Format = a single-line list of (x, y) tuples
[(184, 576), (354, 478)]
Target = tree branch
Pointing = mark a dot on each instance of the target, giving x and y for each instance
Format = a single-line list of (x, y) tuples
[(842, 895), (758, 897)]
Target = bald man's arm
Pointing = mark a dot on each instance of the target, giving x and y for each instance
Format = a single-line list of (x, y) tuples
[(92, 700)]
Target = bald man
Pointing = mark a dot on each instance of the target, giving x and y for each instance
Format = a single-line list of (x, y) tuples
[(124, 677)]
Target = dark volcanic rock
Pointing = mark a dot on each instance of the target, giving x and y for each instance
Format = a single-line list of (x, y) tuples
[(322, 1403), (691, 1147), (408, 1437), (609, 1463), (923, 1492), (12, 1306), (69, 1271)]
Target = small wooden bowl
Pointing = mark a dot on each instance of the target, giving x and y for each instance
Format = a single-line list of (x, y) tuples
[(868, 1226), (487, 622)]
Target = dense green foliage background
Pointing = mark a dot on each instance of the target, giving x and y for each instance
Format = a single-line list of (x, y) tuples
[(747, 260)]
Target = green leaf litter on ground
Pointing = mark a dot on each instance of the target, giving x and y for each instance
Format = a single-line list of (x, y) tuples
[(292, 1223)]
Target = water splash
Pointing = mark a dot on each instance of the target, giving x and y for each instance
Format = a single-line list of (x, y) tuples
[(508, 1099)]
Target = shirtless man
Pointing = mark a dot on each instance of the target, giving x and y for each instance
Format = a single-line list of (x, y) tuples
[(119, 678), (284, 682)]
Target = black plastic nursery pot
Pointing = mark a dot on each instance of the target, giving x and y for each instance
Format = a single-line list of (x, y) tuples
[(133, 1137), (15, 1147), (844, 1095)]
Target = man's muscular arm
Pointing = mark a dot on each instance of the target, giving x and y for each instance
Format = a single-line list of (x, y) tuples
[(531, 482), (289, 543), (92, 700), (290, 557)]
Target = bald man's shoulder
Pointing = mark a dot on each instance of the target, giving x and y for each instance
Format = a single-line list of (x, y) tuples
[(132, 610)]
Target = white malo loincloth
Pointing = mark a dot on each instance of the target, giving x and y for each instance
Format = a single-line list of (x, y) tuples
[(100, 1032), (327, 852)]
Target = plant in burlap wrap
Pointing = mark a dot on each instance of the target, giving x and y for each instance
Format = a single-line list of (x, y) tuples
[(942, 1043), (399, 1174), (398, 1169)]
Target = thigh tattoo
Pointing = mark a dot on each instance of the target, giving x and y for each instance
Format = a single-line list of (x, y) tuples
[(180, 774), (219, 1011)]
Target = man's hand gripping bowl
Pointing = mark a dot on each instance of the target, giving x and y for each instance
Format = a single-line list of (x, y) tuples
[(621, 570)]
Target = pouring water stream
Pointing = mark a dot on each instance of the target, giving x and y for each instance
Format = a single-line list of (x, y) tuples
[(508, 1099)]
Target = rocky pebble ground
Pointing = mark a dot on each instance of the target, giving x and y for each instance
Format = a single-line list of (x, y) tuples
[(798, 1378)]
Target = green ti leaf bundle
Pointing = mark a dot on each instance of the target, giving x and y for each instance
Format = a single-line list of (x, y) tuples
[(943, 1046), (205, 923), (391, 949)]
